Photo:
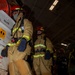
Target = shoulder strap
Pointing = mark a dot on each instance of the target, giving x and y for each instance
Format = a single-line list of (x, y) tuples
[(45, 40), (22, 23)]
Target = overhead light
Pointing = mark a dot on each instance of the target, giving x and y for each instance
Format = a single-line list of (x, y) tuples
[(53, 5), (55, 2), (64, 44)]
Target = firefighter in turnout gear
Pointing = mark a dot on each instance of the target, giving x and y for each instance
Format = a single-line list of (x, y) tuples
[(43, 50), (19, 47)]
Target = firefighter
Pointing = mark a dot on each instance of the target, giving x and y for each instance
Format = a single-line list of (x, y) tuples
[(71, 62), (43, 51), (18, 47)]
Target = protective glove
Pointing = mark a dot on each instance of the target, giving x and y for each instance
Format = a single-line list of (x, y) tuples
[(47, 55), (22, 45), (4, 52)]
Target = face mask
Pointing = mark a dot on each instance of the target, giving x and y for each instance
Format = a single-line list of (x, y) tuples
[(15, 16), (39, 32)]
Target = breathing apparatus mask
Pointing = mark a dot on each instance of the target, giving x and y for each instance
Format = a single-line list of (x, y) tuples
[(15, 16)]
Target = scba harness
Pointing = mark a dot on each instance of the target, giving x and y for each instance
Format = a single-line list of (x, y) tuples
[(46, 52)]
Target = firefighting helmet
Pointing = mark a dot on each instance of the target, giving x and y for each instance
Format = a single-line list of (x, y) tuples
[(15, 10), (39, 30), (16, 7)]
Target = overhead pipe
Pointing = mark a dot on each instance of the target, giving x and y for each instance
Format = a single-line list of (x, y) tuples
[(63, 28), (42, 10), (64, 32)]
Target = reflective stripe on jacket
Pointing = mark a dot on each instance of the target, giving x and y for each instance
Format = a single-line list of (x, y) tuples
[(40, 43), (39, 55)]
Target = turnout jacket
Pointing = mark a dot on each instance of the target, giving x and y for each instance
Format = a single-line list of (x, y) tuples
[(27, 34)]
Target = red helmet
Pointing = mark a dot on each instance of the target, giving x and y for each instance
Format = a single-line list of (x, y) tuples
[(40, 28), (16, 7)]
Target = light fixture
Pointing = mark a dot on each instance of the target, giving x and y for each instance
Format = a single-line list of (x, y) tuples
[(53, 5), (64, 44), (55, 2)]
